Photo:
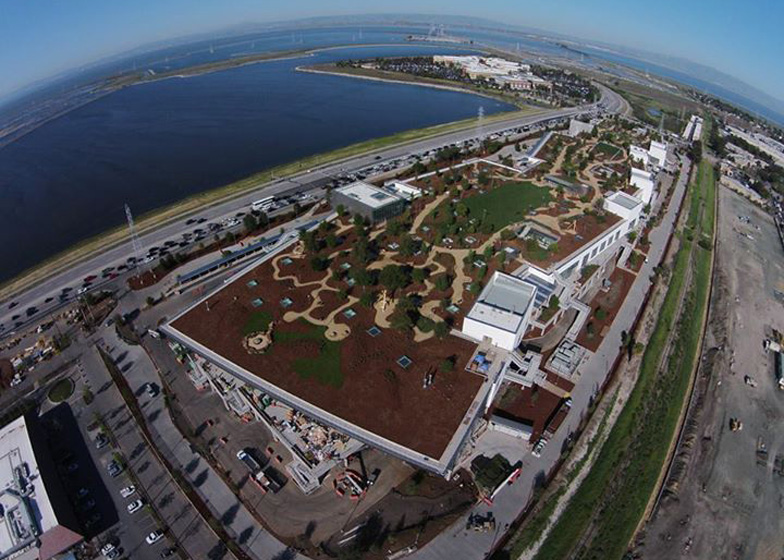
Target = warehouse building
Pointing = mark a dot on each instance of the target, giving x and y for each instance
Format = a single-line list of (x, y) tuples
[(370, 202)]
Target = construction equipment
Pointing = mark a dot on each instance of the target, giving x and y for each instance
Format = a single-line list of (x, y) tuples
[(481, 523), (735, 425)]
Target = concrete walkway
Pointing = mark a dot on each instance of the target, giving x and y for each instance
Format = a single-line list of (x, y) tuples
[(456, 542)]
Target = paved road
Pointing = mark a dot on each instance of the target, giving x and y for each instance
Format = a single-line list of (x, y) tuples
[(456, 542), (302, 182)]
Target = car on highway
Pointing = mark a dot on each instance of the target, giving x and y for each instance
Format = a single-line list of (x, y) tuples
[(30, 311), (90, 278), (154, 537), (82, 493), (13, 304), (127, 491), (81, 290), (50, 299), (135, 506)]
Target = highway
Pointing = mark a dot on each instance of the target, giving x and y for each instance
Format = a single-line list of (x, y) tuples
[(13, 316)]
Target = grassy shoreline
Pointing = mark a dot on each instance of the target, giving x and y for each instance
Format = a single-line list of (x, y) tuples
[(179, 210)]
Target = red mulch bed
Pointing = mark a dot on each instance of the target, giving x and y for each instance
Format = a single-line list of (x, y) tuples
[(400, 410), (640, 260), (531, 405), (611, 302), (559, 381)]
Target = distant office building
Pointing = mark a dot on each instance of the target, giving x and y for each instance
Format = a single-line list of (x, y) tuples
[(370, 202), (36, 518)]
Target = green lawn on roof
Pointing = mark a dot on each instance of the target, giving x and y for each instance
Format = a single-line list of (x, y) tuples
[(606, 149), (257, 322), (507, 204), (325, 368)]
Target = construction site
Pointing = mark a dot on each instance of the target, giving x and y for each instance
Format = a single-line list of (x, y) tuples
[(723, 495)]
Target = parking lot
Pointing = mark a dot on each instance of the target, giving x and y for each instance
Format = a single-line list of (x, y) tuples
[(152, 483)]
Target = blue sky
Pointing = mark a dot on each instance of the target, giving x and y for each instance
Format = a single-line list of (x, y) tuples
[(744, 39)]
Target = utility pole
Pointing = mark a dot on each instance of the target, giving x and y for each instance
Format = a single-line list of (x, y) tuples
[(136, 245)]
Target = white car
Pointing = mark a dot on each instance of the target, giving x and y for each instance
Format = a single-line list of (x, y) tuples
[(154, 537), (135, 506), (107, 548), (127, 491)]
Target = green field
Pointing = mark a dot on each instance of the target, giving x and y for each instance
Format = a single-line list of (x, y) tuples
[(614, 495), (606, 149), (326, 367), (508, 203)]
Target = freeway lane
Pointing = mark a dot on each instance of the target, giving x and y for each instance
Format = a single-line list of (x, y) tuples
[(302, 182)]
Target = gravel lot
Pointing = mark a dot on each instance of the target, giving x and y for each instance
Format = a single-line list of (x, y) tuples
[(721, 502)]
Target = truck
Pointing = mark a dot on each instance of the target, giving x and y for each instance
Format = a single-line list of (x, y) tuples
[(265, 476), (778, 368)]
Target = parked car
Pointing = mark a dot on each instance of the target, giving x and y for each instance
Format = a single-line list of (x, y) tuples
[(135, 506), (127, 491), (114, 469), (154, 537), (101, 441)]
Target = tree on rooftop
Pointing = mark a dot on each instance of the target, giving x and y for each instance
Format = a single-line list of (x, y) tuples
[(341, 210), (363, 277), (401, 321), (443, 282), (319, 263), (441, 329), (394, 277), (367, 299), (418, 275)]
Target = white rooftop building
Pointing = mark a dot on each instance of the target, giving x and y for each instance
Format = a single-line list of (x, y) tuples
[(502, 312), (645, 182), (657, 154), (621, 204), (639, 154), (37, 520)]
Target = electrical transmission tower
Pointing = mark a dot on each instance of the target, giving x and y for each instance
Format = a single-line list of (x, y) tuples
[(135, 243), (480, 121)]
